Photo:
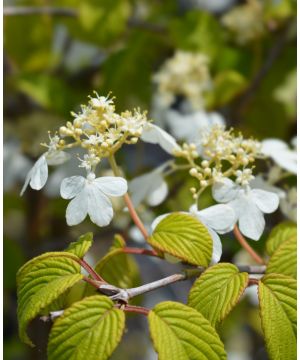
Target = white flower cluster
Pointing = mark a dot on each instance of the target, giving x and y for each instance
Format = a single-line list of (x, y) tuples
[(223, 155), (185, 74), (99, 131)]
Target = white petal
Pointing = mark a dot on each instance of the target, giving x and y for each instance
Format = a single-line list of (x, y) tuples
[(57, 157), (155, 135), (158, 195), (99, 206), (142, 186), (217, 247), (27, 179), (259, 183), (271, 146), (38, 174), (77, 209), (111, 185), (220, 218), (251, 219), (287, 160), (266, 201), (225, 190), (71, 186)]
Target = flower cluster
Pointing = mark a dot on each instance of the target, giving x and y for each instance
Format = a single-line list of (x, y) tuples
[(222, 154), (185, 74)]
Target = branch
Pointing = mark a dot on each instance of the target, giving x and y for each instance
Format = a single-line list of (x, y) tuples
[(246, 246), (39, 10)]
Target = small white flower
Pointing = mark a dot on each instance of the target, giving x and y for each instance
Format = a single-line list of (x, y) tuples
[(155, 135), (150, 187), (217, 219), (248, 204), (38, 174), (91, 197), (281, 154), (190, 126)]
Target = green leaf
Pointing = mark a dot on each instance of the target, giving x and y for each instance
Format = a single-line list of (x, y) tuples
[(181, 332), (227, 85), (82, 245), (185, 237), (284, 259), (217, 291), (277, 300), (280, 233), (118, 268), (197, 31), (40, 282), (89, 329)]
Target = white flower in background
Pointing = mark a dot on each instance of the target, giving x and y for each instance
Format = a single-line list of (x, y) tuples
[(281, 154), (91, 197), (190, 126), (38, 174), (217, 219), (15, 164), (155, 135), (248, 204), (288, 205), (216, 6), (150, 187)]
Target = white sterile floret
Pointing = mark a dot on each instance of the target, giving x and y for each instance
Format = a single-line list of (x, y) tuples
[(281, 154), (150, 187), (190, 126), (38, 174), (217, 219), (248, 204), (155, 135), (91, 197)]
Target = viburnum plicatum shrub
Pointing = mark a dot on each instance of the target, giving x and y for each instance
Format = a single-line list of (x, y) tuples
[(220, 161)]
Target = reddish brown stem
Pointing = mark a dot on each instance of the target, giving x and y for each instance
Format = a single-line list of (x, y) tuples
[(134, 309), (246, 246), (138, 251), (252, 282), (93, 282), (135, 216), (91, 271)]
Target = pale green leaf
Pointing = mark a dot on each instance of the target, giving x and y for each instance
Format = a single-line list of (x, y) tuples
[(279, 234), (181, 332), (40, 282), (284, 259), (278, 304), (89, 329), (184, 237), (217, 291), (82, 245)]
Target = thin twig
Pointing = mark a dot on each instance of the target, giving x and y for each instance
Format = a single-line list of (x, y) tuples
[(134, 309), (128, 201), (91, 271), (246, 246), (138, 251), (39, 10), (252, 281)]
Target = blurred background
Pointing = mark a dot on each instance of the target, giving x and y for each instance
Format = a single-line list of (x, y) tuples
[(57, 52)]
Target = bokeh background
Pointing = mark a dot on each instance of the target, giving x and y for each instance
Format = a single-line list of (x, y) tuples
[(57, 52)]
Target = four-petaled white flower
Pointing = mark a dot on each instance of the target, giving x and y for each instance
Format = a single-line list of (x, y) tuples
[(155, 135), (281, 154), (150, 187), (217, 219), (91, 197), (38, 174), (248, 204)]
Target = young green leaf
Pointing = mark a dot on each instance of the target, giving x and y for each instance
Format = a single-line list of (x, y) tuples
[(284, 259), (181, 332), (184, 237), (82, 245), (89, 329), (280, 234), (217, 291), (277, 301), (40, 282)]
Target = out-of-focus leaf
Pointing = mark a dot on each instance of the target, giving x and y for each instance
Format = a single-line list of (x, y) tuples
[(12, 260), (197, 31)]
